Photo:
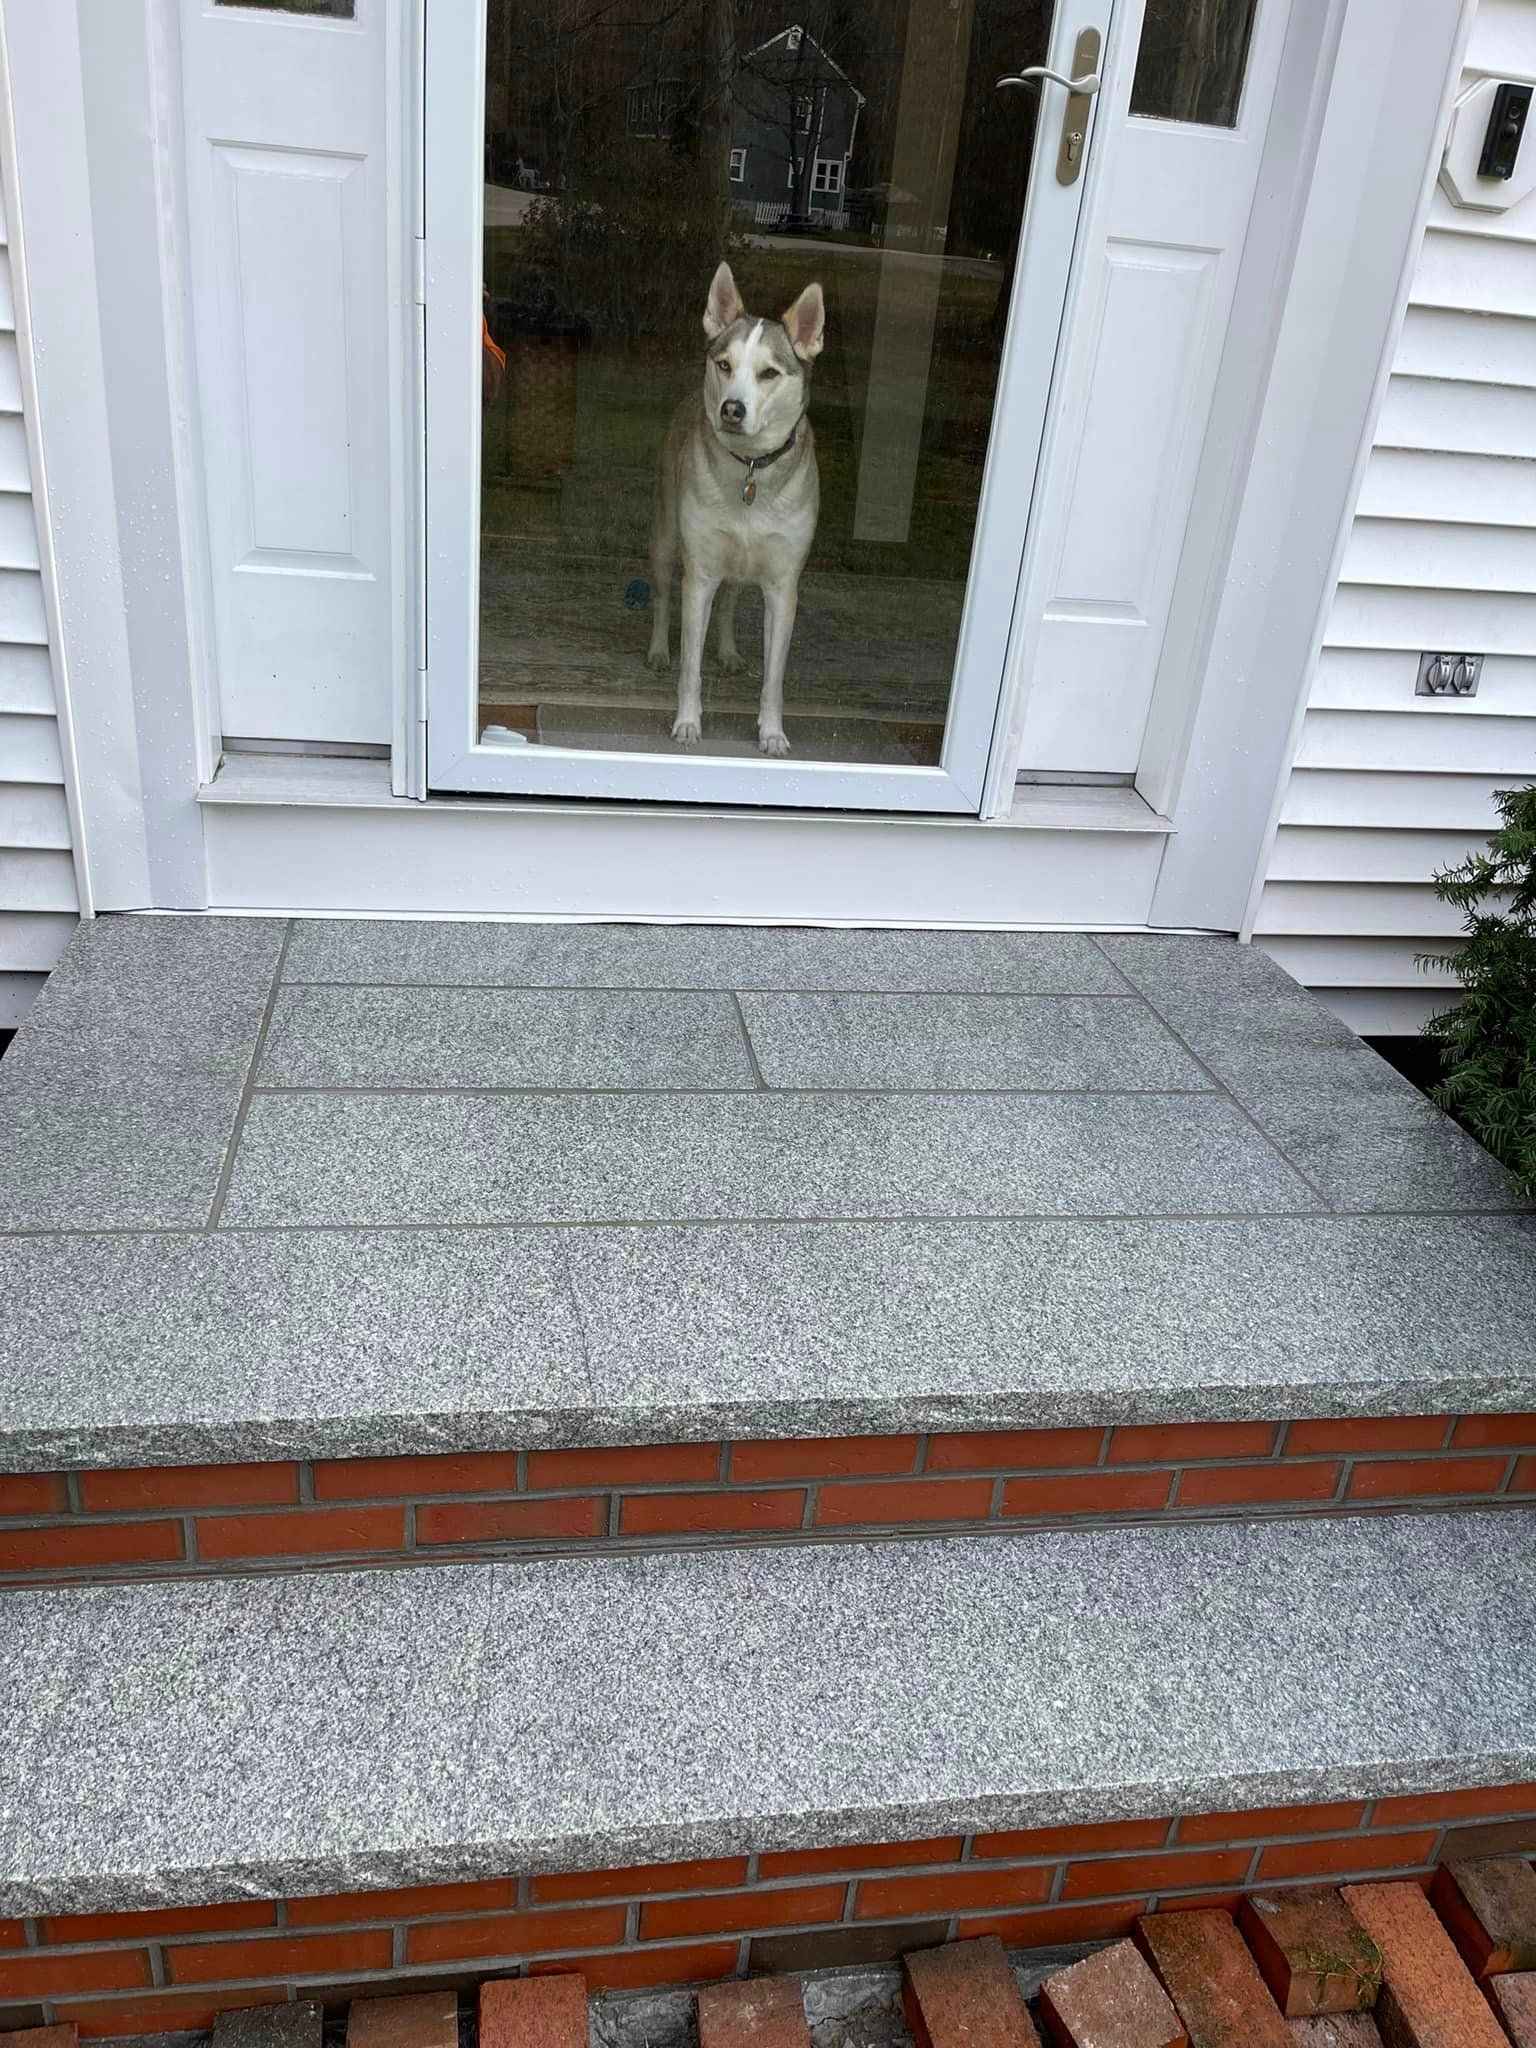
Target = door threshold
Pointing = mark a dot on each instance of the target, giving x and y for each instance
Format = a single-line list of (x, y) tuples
[(336, 781)]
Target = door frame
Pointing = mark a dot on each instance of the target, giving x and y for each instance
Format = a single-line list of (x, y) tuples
[(980, 710)]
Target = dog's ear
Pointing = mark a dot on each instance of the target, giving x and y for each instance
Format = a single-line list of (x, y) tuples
[(723, 305), (805, 323)]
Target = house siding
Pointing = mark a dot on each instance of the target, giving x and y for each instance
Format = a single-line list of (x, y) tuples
[(1441, 556), (39, 903)]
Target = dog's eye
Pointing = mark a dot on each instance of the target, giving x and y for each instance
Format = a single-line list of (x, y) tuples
[(766, 376), (722, 366)]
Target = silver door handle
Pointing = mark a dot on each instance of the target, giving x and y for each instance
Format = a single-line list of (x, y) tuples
[(1087, 85)]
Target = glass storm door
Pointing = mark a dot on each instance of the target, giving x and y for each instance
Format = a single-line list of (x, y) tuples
[(740, 322)]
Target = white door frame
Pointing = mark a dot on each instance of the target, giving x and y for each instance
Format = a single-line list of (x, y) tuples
[(977, 716)]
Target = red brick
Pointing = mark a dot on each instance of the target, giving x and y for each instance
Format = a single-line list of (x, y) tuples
[(1148, 1443), (1346, 1855), (1213, 1981), (136, 1489), (970, 1889), (406, 1478), (662, 1514), (533, 2012), (1514, 2000), (904, 1500), (1096, 1836), (429, 2019), (1483, 1432), (52, 1975), (1014, 1450), (1488, 1907), (1428, 1998), (1170, 1871), (1368, 1433), (634, 1969), (343, 1909), (963, 1995), (645, 1879), (883, 1856), (1200, 1902), (1523, 1478), (1313, 1953), (300, 1955), (1394, 1478), (75, 1546), (1489, 1800), (41, 2037), (1220, 1485), (311, 1532), (735, 1912), (1088, 1493), (163, 1920), (33, 1493), (514, 1934), (764, 2012), (1110, 2000), (12, 1934), (165, 2013), (832, 1457), (512, 1521), (1337, 2030), (639, 1465), (1264, 1821), (1058, 1925)]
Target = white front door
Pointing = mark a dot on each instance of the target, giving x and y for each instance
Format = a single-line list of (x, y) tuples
[(295, 195), (586, 170), (1159, 264)]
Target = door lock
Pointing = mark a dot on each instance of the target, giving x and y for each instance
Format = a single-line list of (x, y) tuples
[(1081, 84)]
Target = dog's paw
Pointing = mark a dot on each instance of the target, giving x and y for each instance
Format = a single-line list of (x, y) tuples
[(774, 743), (732, 664), (686, 731), (659, 659)]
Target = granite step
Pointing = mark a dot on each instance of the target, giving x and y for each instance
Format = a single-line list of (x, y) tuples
[(194, 1741)]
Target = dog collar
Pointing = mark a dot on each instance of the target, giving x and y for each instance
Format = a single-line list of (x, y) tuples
[(753, 463)]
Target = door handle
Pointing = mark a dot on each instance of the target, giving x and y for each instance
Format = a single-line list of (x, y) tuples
[(1087, 85), (1081, 88)]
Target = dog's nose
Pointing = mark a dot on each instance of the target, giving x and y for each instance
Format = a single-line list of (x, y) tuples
[(733, 410)]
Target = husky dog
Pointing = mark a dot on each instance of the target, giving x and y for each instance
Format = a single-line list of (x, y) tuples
[(737, 492)]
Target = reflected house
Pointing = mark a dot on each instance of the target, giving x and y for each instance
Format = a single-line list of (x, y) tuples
[(794, 121)]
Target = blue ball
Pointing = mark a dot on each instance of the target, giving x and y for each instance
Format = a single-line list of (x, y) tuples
[(638, 595)]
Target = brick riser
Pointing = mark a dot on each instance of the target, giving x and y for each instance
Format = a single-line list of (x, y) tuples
[(202, 1519), (172, 1969)]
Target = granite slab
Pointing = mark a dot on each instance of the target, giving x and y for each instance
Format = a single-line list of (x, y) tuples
[(374, 1342), (159, 1349), (335, 1159), (503, 1038), (204, 1740), (695, 957), (965, 1041), (118, 1100)]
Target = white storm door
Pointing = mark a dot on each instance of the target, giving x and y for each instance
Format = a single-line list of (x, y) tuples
[(296, 258), (564, 161), (1160, 263)]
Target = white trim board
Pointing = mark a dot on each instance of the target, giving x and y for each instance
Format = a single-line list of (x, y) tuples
[(295, 836)]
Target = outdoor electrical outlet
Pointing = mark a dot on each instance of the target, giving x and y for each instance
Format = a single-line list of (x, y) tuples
[(1448, 675)]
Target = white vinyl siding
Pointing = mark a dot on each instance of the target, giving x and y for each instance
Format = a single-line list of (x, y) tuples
[(38, 900), (1387, 786)]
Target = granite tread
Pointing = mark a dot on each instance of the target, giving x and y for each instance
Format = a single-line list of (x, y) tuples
[(375, 1342), (178, 1743)]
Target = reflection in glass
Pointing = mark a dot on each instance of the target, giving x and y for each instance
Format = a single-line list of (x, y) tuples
[(343, 8), (1190, 63), (747, 274)]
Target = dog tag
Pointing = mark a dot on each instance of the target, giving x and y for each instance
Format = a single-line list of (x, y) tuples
[(749, 490)]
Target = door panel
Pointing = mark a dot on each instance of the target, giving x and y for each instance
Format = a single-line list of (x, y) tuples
[(286, 113), (866, 152), (1164, 242)]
